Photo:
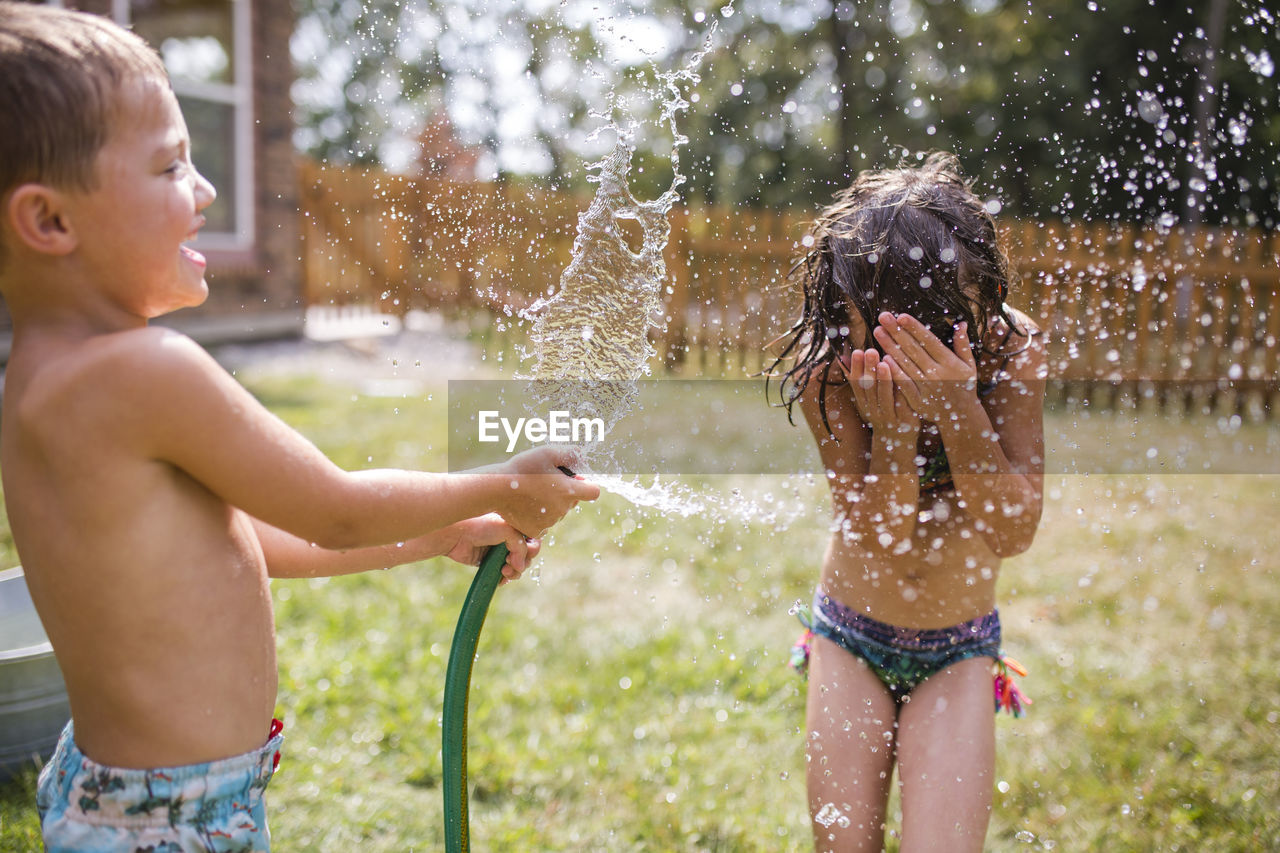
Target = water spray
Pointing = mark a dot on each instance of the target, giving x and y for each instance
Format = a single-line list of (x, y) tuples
[(590, 340)]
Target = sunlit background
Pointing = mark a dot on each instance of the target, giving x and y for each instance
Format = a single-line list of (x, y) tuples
[(429, 181), (1107, 109)]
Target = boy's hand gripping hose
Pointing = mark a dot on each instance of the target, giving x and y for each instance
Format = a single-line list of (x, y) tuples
[(457, 686)]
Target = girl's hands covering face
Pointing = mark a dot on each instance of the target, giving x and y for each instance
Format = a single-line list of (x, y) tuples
[(874, 385), (935, 380)]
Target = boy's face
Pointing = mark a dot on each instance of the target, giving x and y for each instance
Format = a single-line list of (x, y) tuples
[(147, 203)]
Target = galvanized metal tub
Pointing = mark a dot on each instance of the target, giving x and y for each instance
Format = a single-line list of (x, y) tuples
[(33, 697)]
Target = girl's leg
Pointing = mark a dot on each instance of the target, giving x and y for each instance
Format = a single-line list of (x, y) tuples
[(946, 759), (850, 750)]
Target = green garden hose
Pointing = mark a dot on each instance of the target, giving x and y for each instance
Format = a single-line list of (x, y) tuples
[(457, 684)]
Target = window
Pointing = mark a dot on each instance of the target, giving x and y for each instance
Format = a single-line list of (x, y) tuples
[(205, 47)]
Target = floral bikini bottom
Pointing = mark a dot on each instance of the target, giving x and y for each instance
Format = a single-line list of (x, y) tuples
[(904, 657)]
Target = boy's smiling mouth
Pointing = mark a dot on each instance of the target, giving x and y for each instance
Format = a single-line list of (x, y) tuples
[(190, 253), (193, 256)]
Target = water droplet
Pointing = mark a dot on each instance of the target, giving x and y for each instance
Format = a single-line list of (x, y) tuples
[(1149, 108), (1260, 63), (827, 815)]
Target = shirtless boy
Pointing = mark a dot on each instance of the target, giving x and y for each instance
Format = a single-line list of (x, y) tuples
[(150, 496)]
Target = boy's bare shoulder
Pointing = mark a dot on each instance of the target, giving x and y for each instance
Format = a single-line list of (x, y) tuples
[(98, 378)]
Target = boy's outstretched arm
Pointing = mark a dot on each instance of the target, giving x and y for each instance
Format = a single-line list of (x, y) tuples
[(288, 556), (188, 412)]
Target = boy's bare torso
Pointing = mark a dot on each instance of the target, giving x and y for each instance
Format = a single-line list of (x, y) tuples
[(153, 590)]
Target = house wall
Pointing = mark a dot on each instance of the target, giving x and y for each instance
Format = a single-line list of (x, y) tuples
[(259, 294)]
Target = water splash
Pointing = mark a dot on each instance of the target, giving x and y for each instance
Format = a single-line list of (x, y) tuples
[(590, 336), (594, 325)]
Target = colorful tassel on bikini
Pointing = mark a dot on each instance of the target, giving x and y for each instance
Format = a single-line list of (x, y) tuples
[(804, 644), (800, 653), (1008, 696)]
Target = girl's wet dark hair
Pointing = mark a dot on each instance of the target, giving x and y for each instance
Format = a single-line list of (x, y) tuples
[(912, 240)]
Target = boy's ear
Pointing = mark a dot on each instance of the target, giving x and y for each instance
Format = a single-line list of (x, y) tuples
[(37, 216)]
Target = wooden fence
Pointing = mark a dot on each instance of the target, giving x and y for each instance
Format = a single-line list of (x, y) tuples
[(1152, 311)]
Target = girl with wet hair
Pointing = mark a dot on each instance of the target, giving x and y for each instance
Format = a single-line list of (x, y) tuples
[(923, 389)]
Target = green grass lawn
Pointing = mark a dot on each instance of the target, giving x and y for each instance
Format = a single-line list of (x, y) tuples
[(634, 696)]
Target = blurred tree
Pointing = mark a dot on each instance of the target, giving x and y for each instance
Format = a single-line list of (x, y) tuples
[(351, 76), (1114, 108), (1121, 109), (373, 77), (1138, 110)]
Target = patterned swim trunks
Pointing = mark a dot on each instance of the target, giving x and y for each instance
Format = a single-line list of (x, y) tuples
[(216, 807)]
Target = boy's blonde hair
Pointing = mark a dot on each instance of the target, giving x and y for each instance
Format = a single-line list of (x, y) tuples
[(61, 73)]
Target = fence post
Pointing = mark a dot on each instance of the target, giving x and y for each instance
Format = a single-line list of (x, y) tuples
[(675, 339)]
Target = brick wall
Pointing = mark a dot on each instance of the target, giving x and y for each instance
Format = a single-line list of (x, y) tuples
[(269, 278), (260, 294)]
